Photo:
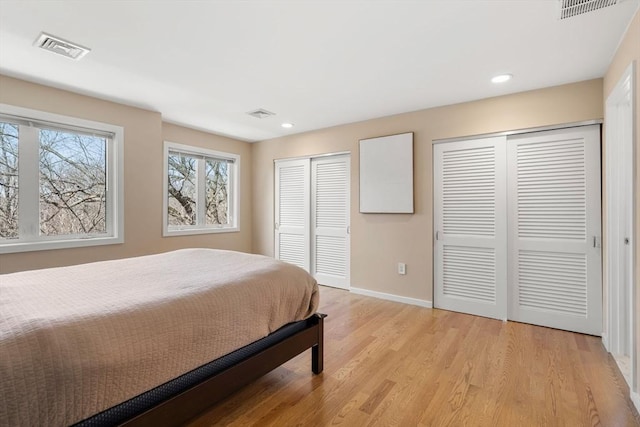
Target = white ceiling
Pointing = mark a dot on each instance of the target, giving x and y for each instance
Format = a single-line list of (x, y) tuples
[(204, 64)]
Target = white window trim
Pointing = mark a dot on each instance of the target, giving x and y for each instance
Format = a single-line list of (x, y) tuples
[(234, 194), (115, 187)]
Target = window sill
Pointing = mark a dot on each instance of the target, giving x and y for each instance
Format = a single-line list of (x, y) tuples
[(196, 231), (8, 248)]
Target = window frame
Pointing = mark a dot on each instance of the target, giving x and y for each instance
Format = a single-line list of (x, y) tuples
[(233, 191), (29, 238)]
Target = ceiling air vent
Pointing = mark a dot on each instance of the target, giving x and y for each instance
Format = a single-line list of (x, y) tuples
[(60, 46), (261, 113), (569, 8)]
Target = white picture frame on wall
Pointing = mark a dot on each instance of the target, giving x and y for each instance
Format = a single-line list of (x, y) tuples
[(386, 174)]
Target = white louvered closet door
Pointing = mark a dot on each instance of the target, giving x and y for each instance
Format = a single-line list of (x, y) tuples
[(554, 229), (469, 220), (292, 212), (330, 245)]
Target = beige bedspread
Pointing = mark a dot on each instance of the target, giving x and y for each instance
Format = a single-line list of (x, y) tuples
[(77, 340)]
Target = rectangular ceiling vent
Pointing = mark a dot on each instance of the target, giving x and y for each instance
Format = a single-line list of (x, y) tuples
[(569, 8), (261, 113), (60, 46)]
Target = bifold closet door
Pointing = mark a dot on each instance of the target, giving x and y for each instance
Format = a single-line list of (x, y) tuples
[(470, 227), (292, 212), (330, 204), (554, 229), (312, 206), (542, 190)]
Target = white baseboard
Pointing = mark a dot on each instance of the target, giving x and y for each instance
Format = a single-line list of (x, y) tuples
[(391, 297), (635, 398), (605, 341)]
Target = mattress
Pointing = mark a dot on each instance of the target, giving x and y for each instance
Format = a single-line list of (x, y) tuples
[(77, 340)]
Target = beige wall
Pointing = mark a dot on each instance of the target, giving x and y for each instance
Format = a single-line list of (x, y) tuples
[(378, 241), (144, 133), (629, 51)]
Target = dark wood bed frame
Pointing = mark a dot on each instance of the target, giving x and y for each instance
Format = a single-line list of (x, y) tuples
[(191, 402)]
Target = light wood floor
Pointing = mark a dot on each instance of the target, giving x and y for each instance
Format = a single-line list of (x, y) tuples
[(392, 364)]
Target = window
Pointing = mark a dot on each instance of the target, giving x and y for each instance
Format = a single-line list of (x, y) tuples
[(60, 181), (201, 190)]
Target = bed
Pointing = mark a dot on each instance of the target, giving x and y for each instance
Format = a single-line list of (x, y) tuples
[(151, 340)]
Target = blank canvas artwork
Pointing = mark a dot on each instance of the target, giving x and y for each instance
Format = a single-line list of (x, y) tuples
[(386, 174)]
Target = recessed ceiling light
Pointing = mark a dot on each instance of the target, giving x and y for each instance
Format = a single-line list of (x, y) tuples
[(287, 125), (501, 78)]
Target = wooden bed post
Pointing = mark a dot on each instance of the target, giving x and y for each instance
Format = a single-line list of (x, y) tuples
[(317, 351)]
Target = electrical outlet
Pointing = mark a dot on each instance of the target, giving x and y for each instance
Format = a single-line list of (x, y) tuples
[(402, 268)]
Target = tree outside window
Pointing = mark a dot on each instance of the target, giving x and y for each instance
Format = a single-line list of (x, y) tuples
[(72, 183), (8, 181), (200, 190)]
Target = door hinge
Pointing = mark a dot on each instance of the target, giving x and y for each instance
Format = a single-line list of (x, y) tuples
[(437, 235), (277, 225), (348, 229), (596, 242)]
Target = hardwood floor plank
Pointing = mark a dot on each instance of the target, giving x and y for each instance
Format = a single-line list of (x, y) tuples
[(377, 396), (391, 364)]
